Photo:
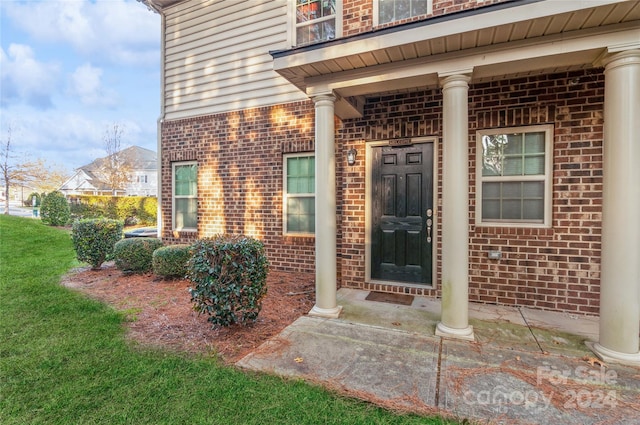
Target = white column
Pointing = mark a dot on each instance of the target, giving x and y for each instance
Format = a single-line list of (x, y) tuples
[(620, 268), (454, 217), (326, 229)]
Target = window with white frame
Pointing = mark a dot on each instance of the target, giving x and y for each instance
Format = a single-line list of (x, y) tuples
[(316, 21), (185, 196), (387, 11), (299, 203), (514, 176)]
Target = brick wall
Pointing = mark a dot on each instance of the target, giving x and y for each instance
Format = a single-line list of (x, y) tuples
[(239, 157), (557, 268), (240, 184), (357, 15)]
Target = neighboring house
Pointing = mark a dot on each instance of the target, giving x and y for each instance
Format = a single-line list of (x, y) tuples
[(493, 148), (139, 165)]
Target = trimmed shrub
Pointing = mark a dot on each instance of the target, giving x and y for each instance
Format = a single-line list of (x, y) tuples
[(170, 261), (28, 202), (135, 255), (230, 277), (54, 210), (94, 239)]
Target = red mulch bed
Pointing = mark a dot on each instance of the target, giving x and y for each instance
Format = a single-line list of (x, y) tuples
[(160, 314)]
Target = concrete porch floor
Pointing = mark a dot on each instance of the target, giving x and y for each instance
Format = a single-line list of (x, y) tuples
[(525, 367)]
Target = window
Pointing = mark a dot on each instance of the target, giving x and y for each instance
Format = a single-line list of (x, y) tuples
[(387, 11), (185, 196), (316, 20), (299, 194), (142, 179), (514, 176)]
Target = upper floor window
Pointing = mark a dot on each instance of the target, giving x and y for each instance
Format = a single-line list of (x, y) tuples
[(142, 179), (387, 11), (299, 194), (514, 176), (316, 20)]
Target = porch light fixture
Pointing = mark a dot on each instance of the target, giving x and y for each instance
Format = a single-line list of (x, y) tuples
[(351, 156)]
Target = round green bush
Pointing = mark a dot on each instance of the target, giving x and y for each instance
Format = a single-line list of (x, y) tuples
[(135, 255), (94, 239), (230, 279), (170, 261), (54, 210)]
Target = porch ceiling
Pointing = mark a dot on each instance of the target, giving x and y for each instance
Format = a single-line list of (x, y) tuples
[(516, 38)]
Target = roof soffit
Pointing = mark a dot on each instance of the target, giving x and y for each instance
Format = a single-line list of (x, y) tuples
[(530, 36)]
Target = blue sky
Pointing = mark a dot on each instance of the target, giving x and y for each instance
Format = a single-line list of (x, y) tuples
[(70, 69)]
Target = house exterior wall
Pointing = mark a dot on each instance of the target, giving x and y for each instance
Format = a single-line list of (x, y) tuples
[(216, 57), (143, 183), (555, 268), (358, 14), (239, 157)]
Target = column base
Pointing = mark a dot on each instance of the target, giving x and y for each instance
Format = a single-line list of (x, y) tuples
[(612, 356), (329, 313), (447, 332)]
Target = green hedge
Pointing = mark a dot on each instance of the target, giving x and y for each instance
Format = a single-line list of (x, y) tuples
[(230, 277), (170, 262), (130, 209), (135, 255)]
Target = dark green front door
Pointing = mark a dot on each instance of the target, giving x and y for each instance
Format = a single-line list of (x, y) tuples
[(402, 213)]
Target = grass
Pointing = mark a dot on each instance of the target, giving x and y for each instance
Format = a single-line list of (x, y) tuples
[(64, 359)]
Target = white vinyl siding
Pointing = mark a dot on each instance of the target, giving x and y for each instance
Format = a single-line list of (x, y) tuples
[(217, 57), (514, 171)]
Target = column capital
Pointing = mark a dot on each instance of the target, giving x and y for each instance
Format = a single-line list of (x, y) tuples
[(454, 80), (324, 97), (621, 58)]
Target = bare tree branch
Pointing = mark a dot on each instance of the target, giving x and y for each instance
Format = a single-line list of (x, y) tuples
[(35, 173), (114, 171)]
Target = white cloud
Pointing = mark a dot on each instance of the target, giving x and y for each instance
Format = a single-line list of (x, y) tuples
[(24, 79), (71, 139), (86, 83), (121, 31)]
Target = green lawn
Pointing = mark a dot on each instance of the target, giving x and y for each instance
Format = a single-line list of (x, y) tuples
[(64, 359)]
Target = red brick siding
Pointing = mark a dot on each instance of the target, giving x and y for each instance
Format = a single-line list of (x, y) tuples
[(557, 268), (239, 157), (357, 15), (240, 184)]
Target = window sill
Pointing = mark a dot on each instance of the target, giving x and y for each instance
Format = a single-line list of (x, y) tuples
[(513, 229)]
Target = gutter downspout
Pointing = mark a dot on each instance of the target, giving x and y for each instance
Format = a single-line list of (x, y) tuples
[(159, 220)]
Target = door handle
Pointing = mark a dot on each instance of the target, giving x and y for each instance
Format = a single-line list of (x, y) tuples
[(429, 224)]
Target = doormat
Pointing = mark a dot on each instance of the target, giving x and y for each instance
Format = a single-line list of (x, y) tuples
[(385, 297)]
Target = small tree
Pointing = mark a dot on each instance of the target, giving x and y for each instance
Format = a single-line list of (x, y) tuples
[(114, 170), (55, 209), (94, 240), (15, 172)]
